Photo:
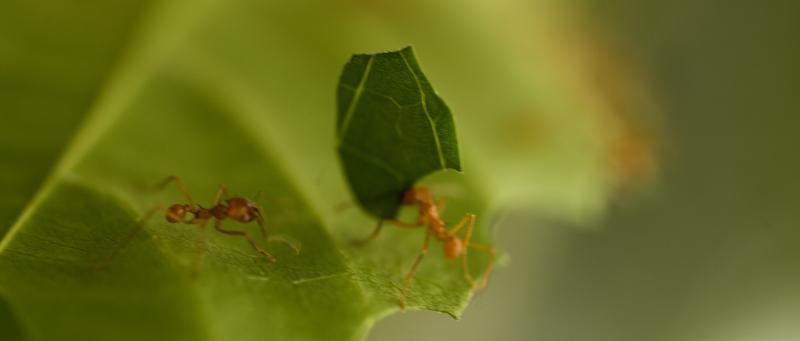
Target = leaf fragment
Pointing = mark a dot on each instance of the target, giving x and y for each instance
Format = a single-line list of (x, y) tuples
[(392, 129)]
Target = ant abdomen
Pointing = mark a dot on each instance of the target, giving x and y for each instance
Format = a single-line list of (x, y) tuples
[(453, 247)]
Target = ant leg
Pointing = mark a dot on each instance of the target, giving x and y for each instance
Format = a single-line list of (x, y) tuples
[(291, 242), (178, 183), (124, 243), (488, 271), (280, 202), (373, 235), (441, 203), (379, 227), (222, 193), (260, 220), (410, 273), (347, 204), (260, 217), (201, 247), (402, 224), (462, 223), (218, 227), (469, 221)]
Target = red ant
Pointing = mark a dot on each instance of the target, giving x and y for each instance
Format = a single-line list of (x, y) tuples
[(453, 246), (236, 208)]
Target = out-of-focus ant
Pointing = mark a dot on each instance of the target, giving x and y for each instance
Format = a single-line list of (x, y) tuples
[(454, 247), (238, 209)]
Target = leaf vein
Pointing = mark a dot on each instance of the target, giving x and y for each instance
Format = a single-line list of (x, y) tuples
[(351, 108), (373, 160), (425, 110), (319, 278)]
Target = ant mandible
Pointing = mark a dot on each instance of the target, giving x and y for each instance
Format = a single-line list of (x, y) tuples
[(236, 208), (453, 246)]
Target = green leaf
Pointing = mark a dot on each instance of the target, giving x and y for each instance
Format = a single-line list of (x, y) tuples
[(9, 326), (81, 216), (191, 91), (49, 77), (393, 129)]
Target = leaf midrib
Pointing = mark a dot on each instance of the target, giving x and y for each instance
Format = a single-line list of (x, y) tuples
[(231, 91), (124, 81), (120, 87)]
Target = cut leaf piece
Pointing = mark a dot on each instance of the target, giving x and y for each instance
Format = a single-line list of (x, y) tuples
[(392, 129)]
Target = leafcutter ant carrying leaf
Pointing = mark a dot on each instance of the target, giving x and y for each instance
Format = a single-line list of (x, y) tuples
[(454, 247)]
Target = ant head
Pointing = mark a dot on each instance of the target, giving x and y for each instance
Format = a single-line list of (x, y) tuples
[(243, 210), (453, 247), (176, 213), (416, 194)]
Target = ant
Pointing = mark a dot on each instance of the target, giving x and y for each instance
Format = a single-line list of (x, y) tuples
[(453, 246), (235, 208)]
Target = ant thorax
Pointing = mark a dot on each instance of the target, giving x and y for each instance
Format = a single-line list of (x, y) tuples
[(430, 214), (200, 213), (219, 211)]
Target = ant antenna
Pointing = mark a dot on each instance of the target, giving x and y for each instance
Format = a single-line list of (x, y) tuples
[(128, 239), (258, 195), (179, 183)]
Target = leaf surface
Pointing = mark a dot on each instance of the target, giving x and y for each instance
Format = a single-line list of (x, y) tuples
[(179, 101), (49, 75), (393, 129)]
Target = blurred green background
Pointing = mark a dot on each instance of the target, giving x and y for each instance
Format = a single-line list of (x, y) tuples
[(641, 156), (711, 252)]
